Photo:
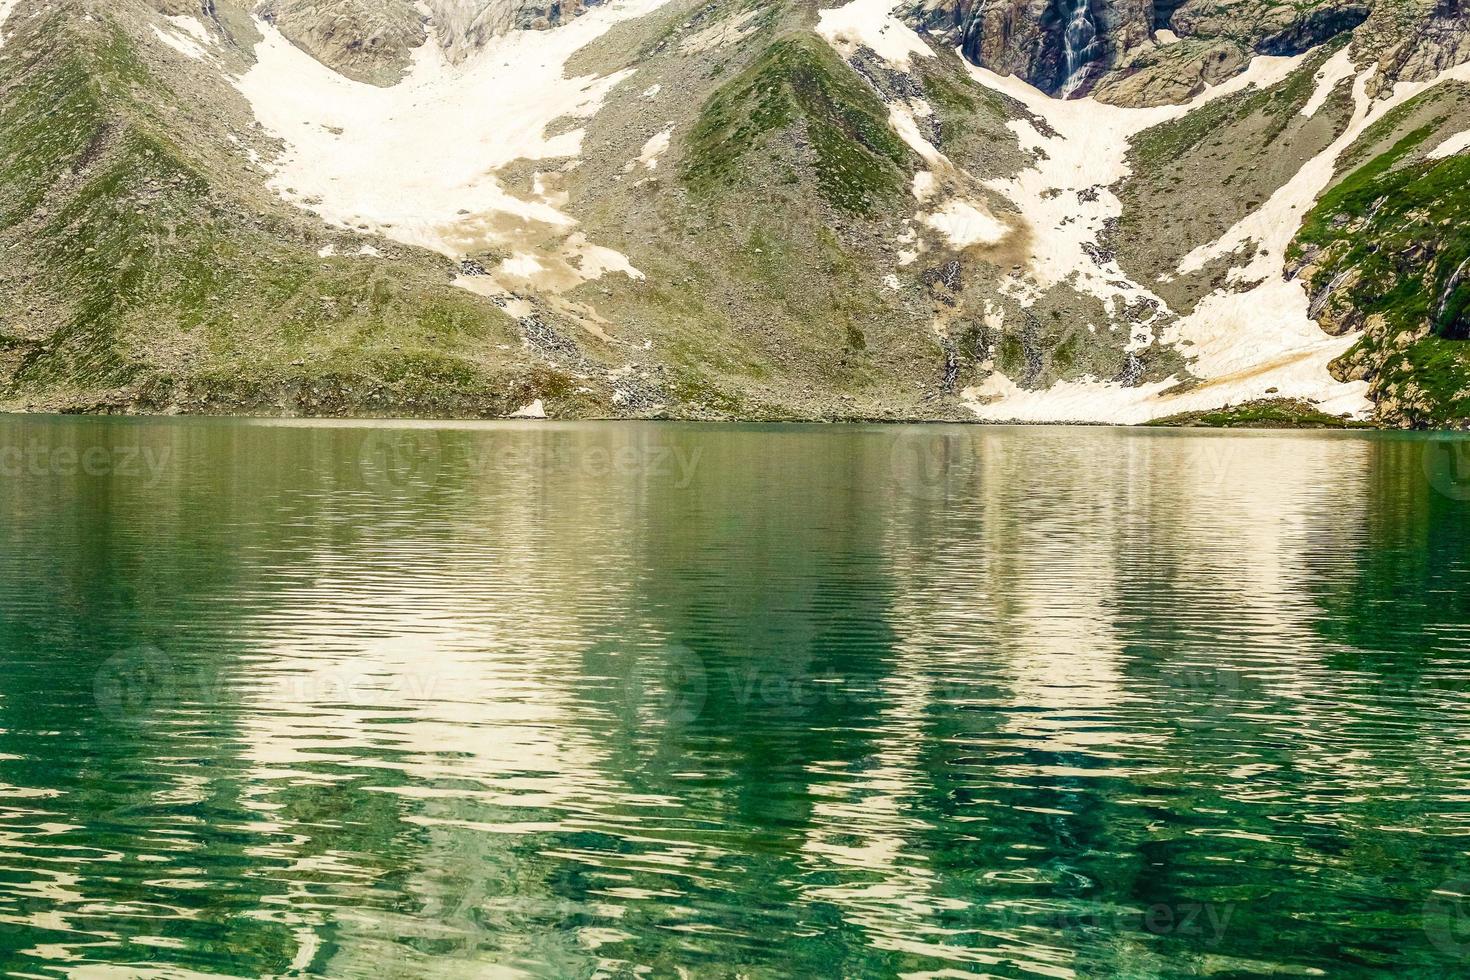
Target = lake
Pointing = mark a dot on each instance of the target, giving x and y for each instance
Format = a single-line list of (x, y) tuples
[(577, 700)]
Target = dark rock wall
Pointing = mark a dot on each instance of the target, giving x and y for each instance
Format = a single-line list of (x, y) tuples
[(1411, 39)]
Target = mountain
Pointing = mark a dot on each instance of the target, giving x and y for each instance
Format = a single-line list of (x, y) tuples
[(1035, 210)]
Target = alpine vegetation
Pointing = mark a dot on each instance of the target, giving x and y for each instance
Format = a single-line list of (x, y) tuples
[(1051, 210)]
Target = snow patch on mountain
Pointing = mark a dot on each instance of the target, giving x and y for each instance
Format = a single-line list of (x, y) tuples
[(7, 7), (419, 162), (657, 146), (1066, 200), (959, 214), (1271, 227), (871, 24), (192, 26), (1232, 330), (1066, 195), (1300, 373), (963, 224), (186, 35), (1243, 340), (1240, 343), (1451, 146), (1338, 69)]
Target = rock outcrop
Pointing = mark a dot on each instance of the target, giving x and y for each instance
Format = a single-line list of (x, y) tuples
[(368, 40), (466, 25), (1151, 52), (1415, 40), (372, 40)]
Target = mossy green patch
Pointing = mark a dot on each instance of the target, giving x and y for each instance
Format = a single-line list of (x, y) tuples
[(46, 126), (1391, 244), (1267, 413), (800, 85), (1280, 103), (162, 281), (1441, 369)]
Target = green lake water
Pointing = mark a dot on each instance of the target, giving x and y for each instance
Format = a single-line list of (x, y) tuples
[(763, 701)]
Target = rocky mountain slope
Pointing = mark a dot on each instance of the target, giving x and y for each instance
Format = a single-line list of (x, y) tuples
[(1079, 210)]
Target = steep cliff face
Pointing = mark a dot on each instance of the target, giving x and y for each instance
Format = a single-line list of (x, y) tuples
[(373, 40), (1136, 52), (467, 25), (369, 40), (1415, 40), (1025, 38), (1385, 257)]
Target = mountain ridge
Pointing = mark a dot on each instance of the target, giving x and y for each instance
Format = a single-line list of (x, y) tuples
[(717, 210)]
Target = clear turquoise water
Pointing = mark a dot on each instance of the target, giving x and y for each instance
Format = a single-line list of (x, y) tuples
[(606, 700)]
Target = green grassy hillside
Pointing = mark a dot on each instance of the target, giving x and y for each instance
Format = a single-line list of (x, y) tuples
[(1387, 249), (151, 278)]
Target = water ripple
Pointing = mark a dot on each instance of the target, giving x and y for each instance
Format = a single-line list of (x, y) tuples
[(317, 699)]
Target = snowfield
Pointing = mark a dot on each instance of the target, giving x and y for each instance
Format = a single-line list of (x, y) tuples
[(418, 162), (421, 163), (6, 8), (186, 35), (1451, 146), (1243, 341), (1241, 344)]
